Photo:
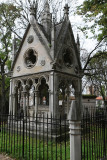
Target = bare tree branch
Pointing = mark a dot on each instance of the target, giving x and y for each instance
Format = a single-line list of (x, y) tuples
[(89, 56), (10, 27)]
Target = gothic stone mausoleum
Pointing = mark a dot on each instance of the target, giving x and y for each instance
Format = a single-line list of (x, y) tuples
[(45, 67)]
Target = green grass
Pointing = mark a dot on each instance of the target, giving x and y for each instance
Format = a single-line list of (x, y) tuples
[(12, 144), (93, 143), (40, 148)]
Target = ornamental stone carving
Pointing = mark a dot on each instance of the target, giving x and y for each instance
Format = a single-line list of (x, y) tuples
[(43, 62), (30, 39), (18, 68)]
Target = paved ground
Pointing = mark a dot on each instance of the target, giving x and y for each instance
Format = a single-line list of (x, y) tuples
[(5, 157)]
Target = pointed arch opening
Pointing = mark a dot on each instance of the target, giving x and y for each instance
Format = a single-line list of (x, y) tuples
[(62, 97), (43, 93), (31, 94)]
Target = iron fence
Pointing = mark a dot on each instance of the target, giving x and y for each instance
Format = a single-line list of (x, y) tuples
[(46, 138), (35, 138), (94, 135)]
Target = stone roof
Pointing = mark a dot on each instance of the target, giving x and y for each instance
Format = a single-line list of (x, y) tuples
[(44, 32), (58, 28), (21, 44)]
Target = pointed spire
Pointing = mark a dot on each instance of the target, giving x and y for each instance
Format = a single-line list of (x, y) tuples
[(46, 17), (78, 39), (78, 43), (14, 48), (33, 9), (46, 6), (53, 39), (46, 2), (66, 12)]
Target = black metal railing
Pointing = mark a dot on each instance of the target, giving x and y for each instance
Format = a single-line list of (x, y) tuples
[(46, 138), (94, 135), (35, 138)]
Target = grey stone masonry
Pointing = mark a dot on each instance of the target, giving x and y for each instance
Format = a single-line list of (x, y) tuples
[(75, 140)]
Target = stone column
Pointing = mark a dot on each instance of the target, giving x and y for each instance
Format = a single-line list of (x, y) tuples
[(36, 102), (56, 104), (75, 140), (27, 103), (24, 103), (63, 98), (75, 132), (68, 101), (55, 96), (10, 98), (51, 102), (14, 103)]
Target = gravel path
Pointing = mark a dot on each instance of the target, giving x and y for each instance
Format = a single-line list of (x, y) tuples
[(5, 157)]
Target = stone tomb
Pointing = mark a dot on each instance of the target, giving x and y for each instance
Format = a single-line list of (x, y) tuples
[(45, 67)]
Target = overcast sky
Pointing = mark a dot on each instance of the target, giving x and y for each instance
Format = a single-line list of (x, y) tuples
[(76, 20)]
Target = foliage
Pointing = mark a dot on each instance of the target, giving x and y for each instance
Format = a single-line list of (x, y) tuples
[(8, 16), (95, 12), (97, 71)]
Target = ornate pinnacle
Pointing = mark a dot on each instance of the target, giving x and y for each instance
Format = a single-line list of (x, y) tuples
[(46, 6), (78, 40), (33, 9), (78, 43), (14, 49), (66, 11)]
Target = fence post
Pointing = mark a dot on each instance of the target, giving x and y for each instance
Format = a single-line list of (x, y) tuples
[(75, 132), (75, 140)]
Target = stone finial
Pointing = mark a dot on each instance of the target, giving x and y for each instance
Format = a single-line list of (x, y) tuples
[(46, 6), (33, 9), (14, 48), (66, 11)]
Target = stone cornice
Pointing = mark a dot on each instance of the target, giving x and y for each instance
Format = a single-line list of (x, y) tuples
[(39, 74)]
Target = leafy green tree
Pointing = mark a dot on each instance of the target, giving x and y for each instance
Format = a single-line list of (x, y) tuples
[(96, 72), (94, 11), (8, 16)]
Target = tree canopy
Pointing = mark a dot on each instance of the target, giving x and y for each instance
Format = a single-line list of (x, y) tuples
[(94, 11), (97, 72), (8, 16)]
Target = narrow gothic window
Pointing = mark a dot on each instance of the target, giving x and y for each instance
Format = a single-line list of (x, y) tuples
[(43, 93), (67, 58)]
